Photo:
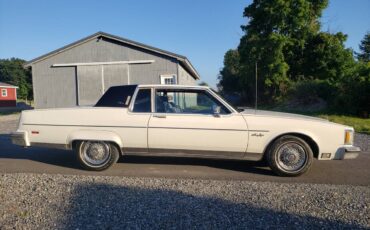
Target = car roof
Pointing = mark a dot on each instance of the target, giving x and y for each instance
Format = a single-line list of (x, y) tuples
[(172, 86)]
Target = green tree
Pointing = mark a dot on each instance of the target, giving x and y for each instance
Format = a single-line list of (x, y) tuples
[(229, 79), (353, 95), (275, 37), (364, 54), (12, 72), (283, 37), (326, 57)]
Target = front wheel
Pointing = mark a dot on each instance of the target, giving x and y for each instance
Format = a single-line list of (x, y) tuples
[(289, 156), (97, 155)]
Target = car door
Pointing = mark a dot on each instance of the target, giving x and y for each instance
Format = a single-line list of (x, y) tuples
[(184, 122), (135, 135)]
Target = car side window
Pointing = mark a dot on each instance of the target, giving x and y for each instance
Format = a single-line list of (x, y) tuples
[(187, 102), (143, 101)]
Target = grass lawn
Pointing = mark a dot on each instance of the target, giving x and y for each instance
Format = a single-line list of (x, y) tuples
[(361, 125)]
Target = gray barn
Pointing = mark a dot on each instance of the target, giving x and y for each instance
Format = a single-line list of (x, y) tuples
[(79, 73)]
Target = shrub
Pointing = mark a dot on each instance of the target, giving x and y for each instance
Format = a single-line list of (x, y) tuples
[(311, 91)]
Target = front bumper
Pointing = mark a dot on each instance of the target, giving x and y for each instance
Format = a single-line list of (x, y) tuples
[(347, 152), (20, 138)]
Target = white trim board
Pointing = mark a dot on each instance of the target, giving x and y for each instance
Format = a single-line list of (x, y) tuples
[(10, 87), (104, 63)]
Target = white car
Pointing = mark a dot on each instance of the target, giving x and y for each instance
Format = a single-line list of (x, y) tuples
[(186, 121)]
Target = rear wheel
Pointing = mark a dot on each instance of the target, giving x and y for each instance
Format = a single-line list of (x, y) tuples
[(97, 155), (289, 156)]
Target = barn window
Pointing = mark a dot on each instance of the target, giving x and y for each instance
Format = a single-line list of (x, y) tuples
[(168, 79), (4, 92)]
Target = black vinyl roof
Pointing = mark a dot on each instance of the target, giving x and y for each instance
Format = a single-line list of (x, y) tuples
[(117, 96)]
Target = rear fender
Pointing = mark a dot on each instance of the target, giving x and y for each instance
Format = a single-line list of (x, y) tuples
[(94, 135)]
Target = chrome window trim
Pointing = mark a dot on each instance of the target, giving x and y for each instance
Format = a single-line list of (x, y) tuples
[(132, 103), (153, 93), (212, 94)]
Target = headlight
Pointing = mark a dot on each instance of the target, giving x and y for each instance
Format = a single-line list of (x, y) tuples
[(348, 137)]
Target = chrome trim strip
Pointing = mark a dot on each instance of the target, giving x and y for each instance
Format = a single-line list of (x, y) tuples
[(193, 153), (352, 149), (100, 126), (347, 152), (240, 130), (133, 98), (134, 150), (206, 90), (144, 127), (196, 114), (49, 145), (210, 92), (196, 152)]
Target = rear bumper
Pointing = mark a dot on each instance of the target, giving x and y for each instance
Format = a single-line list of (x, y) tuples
[(347, 152), (20, 138)]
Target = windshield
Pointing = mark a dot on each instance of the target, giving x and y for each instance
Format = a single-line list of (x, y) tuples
[(231, 105)]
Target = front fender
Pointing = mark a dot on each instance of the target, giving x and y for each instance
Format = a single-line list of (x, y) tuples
[(276, 135), (258, 141), (94, 135)]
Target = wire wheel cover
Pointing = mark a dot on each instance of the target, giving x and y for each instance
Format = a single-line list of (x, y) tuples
[(291, 156), (95, 153)]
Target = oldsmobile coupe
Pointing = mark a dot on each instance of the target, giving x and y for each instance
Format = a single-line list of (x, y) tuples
[(185, 121)]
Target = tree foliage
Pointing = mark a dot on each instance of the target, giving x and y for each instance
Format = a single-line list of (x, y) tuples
[(284, 38), (276, 37), (229, 75), (364, 54), (12, 72)]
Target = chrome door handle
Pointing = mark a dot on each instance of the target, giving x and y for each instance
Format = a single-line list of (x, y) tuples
[(159, 116)]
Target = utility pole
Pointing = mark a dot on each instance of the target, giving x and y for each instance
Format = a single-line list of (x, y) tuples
[(256, 90)]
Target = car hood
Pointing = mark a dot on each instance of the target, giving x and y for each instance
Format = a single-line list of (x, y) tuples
[(253, 112)]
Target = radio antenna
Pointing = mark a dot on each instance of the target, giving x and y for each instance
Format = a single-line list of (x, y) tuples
[(255, 105)]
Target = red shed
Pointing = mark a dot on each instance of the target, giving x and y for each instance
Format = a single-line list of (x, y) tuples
[(8, 95)]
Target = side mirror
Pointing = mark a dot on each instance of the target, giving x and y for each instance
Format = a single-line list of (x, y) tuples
[(216, 111)]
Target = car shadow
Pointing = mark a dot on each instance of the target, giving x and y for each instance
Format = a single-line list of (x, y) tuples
[(67, 159), (258, 167), (101, 205), (58, 157)]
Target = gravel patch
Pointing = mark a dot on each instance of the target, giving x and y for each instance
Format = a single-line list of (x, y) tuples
[(362, 141), (39, 201), (8, 123)]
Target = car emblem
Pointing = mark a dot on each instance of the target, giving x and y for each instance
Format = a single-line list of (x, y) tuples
[(257, 135)]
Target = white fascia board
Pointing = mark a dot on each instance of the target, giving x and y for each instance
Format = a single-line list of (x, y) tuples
[(104, 63), (10, 87)]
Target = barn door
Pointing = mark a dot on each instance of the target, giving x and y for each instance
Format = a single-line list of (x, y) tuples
[(90, 84), (94, 80), (115, 75)]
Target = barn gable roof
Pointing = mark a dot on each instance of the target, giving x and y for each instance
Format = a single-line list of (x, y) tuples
[(180, 58)]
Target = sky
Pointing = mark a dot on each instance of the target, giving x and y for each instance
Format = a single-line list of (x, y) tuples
[(202, 30)]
